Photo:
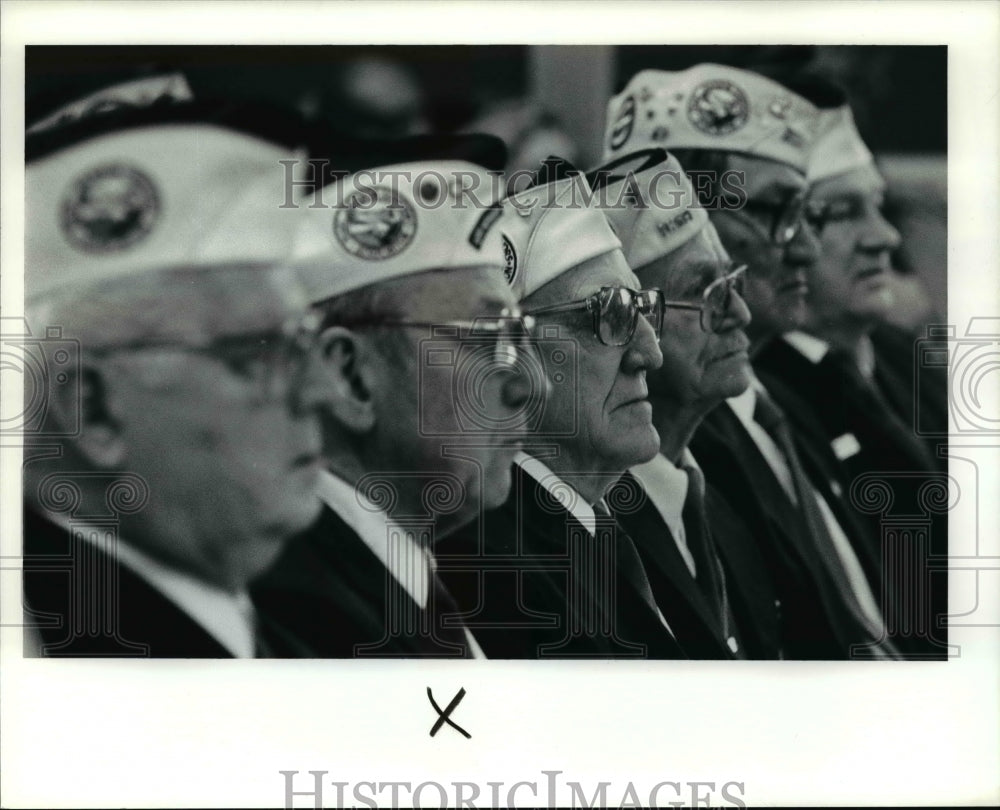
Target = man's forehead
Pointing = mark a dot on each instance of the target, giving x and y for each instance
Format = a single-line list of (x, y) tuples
[(235, 299), (608, 270), (456, 293), (864, 180), (761, 176)]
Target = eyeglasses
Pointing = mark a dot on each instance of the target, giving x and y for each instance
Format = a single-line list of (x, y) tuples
[(615, 312), (820, 214), (784, 219), (510, 331), (257, 356), (715, 300)]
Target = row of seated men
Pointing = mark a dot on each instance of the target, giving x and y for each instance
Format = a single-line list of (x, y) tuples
[(652, 410)]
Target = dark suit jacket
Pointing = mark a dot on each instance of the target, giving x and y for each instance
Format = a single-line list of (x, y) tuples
[(735, 467), (84, 603), (691, 617), (917, 390), (900, 459), (329, 590), (832, 401), (529, 577)]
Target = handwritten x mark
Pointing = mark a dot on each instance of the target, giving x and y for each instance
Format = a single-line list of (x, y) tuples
[(445, 716)]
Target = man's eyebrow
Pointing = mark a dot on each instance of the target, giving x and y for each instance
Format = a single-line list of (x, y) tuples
[(492, 306), (777, 190), (699, 275)]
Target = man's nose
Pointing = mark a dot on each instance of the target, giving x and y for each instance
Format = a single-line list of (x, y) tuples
[(737, 314), (804, 248), (307, 383), (643, 351), (879, 234)]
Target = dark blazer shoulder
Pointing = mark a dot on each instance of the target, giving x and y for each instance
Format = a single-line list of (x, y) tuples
[(69, 583)]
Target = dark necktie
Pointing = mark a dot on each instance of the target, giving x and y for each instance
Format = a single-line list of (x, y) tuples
[(440, 604), (711, 578), (836, 593), (876, 409), (626, 556)]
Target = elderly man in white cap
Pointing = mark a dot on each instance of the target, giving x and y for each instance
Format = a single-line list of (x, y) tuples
[(175, 449), (552, 573), (422, 351), (705, 567), (749, 138), (855, 372)]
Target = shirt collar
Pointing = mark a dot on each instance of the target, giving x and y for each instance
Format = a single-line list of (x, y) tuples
[(666, 482), (809, 346), (229, 617), (745, 404), (866, 358), (564, 493), (380, 533), (814, 349)]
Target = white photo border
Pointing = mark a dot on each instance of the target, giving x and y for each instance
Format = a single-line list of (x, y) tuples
[(217, 733)]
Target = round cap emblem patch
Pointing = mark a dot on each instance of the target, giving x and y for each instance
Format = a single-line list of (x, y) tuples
[(109, 208), (378, 229), (622, 128), (718, 107)]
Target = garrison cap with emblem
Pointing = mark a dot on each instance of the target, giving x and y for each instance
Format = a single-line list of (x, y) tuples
[(711, 106), (650, 204), (126, 202), (394, 221), (550, 229), (838, 147)]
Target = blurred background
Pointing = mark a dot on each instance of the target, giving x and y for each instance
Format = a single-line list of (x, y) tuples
[(545, 100)]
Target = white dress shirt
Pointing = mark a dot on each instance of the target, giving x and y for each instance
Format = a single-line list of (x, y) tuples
[(409, 563), (228, 616), (743, 406), (667, 486), (567, 496), (815, 349)]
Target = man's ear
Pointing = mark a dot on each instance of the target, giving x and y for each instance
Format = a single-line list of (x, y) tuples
[(83, 402), (348, 378)]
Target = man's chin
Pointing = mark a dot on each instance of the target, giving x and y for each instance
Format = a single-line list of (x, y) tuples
[(640, 450)]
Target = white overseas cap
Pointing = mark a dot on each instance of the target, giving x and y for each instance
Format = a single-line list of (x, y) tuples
[(394, 221), (550, 229), (653, 210), (714, 107), (134, 201), (838, 147)]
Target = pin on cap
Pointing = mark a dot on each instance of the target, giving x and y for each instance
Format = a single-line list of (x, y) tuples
[(394, 221), (552, 228), (136, 93), (838, 147), (650, 204), (130, 202), (711, 106)]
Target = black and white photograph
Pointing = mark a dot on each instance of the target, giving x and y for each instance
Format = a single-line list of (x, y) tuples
[(560, 418)]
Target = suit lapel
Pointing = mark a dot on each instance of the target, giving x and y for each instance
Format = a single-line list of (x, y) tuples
[(663, 560)]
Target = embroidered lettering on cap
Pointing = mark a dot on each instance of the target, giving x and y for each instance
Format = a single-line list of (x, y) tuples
[(671, 225), (510, 259), (484, 223), (718, 107), (622, 129), (109, 208), (375, 230)]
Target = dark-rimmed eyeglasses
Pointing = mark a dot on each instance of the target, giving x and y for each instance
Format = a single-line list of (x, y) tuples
[(511, 330), (615, 312), (258, 355), (715, 300), (779, 221)]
